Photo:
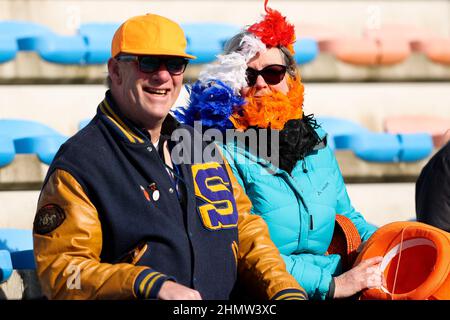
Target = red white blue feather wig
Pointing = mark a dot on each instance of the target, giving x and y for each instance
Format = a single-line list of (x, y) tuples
[(215, 98)]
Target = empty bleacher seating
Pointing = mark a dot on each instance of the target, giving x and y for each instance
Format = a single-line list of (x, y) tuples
[(8, 48), (50, 46), (354, 57), (18, 278), (31, 137), (7, 151), (16, 251), (206, 40), (387, 45), (433, 125), (19, 36), (92, 43), (356, 50), (306, 50), (377, 147), (66, 50), (15, 240), (435, 47), (98, 41), (6, 267)]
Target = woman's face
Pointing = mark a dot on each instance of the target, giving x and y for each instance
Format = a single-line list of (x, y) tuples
[(260, 61)]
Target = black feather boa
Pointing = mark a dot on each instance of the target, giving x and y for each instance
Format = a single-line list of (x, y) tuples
[(296, 140)]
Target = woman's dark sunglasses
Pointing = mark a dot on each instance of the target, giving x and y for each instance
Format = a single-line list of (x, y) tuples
[(272, 74), (149, 64)]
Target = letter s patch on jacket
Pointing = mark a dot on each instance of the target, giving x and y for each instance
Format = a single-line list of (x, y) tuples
[(213, 188)]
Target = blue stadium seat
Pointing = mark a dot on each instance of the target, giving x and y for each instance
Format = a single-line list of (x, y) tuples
[(67, 50), (6, 267), (16, 251), (45, 146), (415, 146), (18, 36), (340, 130), (206, 40), (25, 33), (376, 147), (97, 37), (387, 147), (19, 128), (306, 50), (8, 48), (7, 151), (15, 240), (32, 137), (28, 36)]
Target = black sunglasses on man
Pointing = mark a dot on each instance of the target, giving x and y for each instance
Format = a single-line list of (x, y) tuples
[(149, 64)]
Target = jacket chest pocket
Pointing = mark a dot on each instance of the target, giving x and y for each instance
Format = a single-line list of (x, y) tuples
[(323, 189)]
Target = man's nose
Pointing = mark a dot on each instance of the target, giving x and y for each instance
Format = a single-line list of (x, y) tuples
[(162, 74)]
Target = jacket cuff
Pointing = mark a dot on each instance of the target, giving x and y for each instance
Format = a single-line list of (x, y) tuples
[(290, 294), (148, 283)]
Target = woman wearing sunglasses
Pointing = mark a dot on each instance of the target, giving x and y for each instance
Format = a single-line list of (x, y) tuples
[(255, 85)]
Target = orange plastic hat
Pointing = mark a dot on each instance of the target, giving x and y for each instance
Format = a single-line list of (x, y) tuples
[(416, 262), (150, 34)]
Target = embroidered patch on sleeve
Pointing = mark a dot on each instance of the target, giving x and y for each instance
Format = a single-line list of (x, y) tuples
[(48, 218)]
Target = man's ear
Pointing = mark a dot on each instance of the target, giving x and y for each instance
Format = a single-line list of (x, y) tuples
[(114, 71)]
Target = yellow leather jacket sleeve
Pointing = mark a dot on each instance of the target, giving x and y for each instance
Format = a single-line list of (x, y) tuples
[(68, 258), (260, 264)]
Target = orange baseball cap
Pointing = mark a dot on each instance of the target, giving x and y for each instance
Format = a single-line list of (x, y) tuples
[(150, 34)]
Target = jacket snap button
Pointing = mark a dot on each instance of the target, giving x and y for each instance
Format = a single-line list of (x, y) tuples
[(149, 149), (171, 190)]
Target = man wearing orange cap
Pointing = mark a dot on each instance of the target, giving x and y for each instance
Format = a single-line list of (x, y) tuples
[(118, 218)]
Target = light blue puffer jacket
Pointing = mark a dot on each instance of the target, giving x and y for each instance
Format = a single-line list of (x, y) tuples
[(300, 210)]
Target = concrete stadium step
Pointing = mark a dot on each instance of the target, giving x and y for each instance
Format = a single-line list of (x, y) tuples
[(63, 107), (415, 68), (18, 209), (22, 285), (25, 172), (382, 203), (356, 170)]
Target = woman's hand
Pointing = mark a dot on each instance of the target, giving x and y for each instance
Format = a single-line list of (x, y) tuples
[(367, 274)]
